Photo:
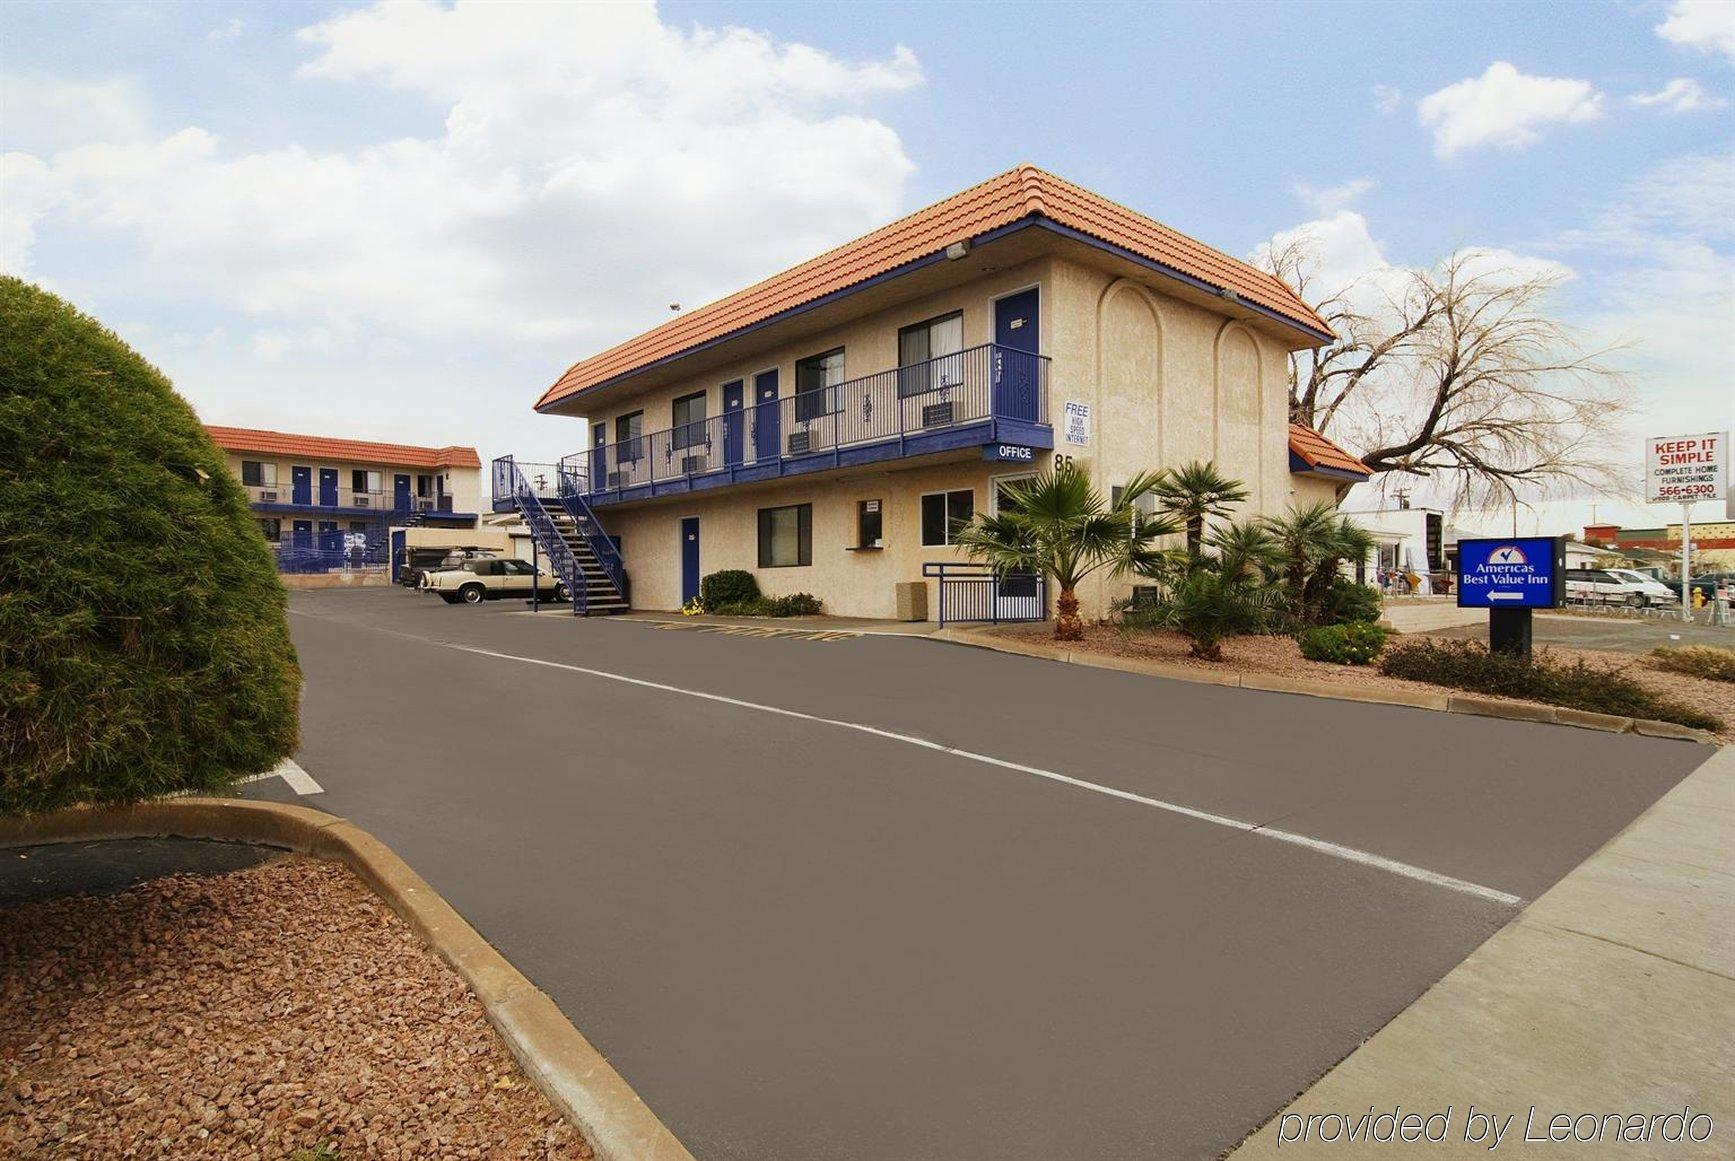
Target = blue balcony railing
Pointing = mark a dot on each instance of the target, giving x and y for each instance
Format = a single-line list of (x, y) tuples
[(992, 391)]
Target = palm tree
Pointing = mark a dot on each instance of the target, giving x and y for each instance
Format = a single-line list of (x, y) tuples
[(1195, 491), (1059, 526), (1312, 543), (1207, 605)]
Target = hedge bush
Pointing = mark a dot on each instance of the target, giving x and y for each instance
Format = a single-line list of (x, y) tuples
[(1705, 661), (1356, 643), (1468, 665), (730, 586), (793, 605), (144, 646)]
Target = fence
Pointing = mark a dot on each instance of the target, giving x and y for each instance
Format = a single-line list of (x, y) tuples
[(975, 592)]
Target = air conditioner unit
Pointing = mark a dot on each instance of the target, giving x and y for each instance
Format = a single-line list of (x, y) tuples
[(691, 464), (800, 442), (267, 497), (937, 415), (619, 479), (361, 501)]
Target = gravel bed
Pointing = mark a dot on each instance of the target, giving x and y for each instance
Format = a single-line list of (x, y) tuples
[(281, 1011), (1279, 655)]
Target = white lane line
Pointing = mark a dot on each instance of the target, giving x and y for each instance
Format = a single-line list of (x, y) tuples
[(1336, 850), (296, 777)]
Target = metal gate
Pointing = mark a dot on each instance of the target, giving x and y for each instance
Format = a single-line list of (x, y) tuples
[(975, 592)]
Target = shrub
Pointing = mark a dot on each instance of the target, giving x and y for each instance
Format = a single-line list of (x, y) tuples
[(144, 646), (1705, 661), (1468, 665), (1345, 601), (1208, 607), (1355, 643), (730, 586), (794, 605)]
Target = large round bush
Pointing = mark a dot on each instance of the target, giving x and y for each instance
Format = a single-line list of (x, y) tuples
[(144, 646)]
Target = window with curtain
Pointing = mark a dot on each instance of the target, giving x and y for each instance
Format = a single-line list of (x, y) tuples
[(629, 431), (786, 536), (929, 354), (258, 474), (815, 377), (688, 426)]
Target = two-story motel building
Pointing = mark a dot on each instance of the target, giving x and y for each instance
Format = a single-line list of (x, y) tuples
[(325, 502), (828, 427)]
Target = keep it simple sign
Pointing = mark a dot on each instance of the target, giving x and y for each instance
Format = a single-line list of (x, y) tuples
[(1515, 572), (1680, 469)]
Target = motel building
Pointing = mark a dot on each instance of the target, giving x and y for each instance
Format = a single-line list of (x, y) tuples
[(331, 507), (826, 429)]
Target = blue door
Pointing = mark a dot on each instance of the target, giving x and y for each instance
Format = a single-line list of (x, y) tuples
[(767, 420), (734, 423), (398, 538), (330, 539), (328, 487), (598, 457), (1018, 341), (400, 493), (689, 558), (301, 533), (301, 485)]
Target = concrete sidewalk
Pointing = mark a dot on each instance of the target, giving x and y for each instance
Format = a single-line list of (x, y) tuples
[(1613, 993)]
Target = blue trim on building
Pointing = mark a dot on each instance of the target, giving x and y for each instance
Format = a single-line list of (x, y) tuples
[(987, 432), (386, 515), (929, 260), (1300, 467)]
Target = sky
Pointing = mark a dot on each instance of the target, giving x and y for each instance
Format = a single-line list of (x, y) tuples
[(402, 221)]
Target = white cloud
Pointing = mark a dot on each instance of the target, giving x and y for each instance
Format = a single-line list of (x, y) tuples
[(595, 164), (1681, 95), (1708, 25), (1388, 100), (1333, 198), (45, 114), (1504, 107), (229, 30)]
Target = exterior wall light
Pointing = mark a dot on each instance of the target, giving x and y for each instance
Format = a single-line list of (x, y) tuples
[(957, 250)]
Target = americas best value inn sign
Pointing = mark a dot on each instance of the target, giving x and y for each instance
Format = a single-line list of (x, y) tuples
[(1683, 468), (1520, 572)]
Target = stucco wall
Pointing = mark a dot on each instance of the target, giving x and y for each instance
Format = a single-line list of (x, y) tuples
[(1166, 382), (462, 484)]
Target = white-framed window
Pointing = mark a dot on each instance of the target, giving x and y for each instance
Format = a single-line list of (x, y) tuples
[(259, 473), (943, 513), (928, 354), (997, 488)]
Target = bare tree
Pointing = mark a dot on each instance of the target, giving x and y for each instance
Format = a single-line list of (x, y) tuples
[(1460, 375)]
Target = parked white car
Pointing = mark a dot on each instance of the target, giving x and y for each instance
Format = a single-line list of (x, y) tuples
[(475, 581), (1616, 586)]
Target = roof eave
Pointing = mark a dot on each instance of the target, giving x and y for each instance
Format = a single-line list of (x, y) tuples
[(1036, 217)]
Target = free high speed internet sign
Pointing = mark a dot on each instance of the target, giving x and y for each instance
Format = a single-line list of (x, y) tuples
[(1680, 469)]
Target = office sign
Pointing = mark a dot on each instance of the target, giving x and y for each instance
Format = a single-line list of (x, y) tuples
[(1513, 572), (1077, 423), (1007, 453), (1680, 469)]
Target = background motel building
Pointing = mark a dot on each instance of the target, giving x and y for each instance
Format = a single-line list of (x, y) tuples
[(827, 427), (338, 505)]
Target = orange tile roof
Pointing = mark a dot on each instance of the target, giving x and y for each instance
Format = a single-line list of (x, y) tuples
[(1318, 452), (1018, 194), (319, 447)]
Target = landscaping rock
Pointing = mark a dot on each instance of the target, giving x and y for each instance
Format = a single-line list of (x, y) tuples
[(256, 1013)]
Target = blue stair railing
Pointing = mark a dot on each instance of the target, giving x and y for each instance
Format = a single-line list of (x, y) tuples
[(510, 480), (573, 485)]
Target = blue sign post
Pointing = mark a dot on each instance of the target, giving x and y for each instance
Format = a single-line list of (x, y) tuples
[(1509, 577)]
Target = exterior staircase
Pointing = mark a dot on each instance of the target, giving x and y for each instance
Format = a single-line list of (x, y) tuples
[(568, 536), (601, 596)]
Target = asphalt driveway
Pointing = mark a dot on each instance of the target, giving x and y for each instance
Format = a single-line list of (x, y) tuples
[(820, 896)]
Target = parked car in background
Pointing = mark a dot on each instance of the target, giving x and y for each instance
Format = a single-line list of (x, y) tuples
[(1616, 586), (475, 581), (425, 560), (1706, 583)]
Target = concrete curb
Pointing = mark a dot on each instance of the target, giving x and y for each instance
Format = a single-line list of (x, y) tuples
[(1455, 703), (568, 1069)]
